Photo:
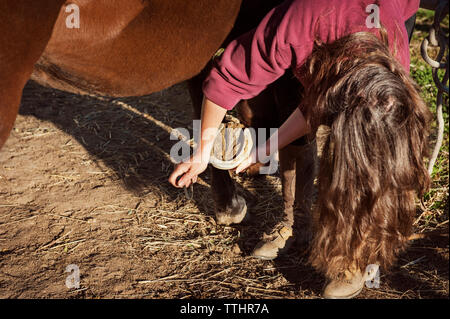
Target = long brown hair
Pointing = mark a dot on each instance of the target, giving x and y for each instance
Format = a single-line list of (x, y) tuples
[(372, 162)]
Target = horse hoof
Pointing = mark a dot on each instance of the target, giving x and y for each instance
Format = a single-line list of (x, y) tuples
[(234, 214)]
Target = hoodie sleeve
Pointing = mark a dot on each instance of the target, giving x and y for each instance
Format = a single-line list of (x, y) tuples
[(253, 61)]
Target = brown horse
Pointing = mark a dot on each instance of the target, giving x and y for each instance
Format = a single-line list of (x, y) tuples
[(122, 48), (128, 48)]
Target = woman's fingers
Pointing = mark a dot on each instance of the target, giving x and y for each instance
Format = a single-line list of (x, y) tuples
[(179, 170), (251, 159), (188, 179), (185, 181), (244, 165), (185, 174)]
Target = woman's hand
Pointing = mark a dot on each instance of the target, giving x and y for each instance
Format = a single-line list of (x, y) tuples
[(249, 161), (188, 171), (212, 116), (294, 127)]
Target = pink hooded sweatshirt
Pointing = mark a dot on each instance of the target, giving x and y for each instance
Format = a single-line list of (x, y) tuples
[(285, 37)]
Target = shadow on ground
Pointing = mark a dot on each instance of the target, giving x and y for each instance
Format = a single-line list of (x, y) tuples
[(134, 146)]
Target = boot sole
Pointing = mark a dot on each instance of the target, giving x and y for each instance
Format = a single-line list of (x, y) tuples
[(353, 295), (282, 251)]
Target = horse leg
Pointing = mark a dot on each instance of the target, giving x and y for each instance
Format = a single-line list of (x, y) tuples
[(230, 208), (297, 170), (26, 29), (256, 113)]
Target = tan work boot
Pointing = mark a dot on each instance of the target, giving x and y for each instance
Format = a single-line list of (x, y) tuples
[(274, 244), (296, 190), (349, 285)]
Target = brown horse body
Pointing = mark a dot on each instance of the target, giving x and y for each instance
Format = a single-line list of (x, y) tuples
[(134, 47), (122, 48)]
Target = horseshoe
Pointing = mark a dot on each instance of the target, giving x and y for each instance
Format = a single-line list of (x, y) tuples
[(242, 153)]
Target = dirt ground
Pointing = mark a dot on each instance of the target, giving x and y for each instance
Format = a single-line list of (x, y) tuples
[(83, 181)]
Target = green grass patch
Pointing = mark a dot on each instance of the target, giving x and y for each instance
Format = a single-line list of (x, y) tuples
[(436, 200)]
